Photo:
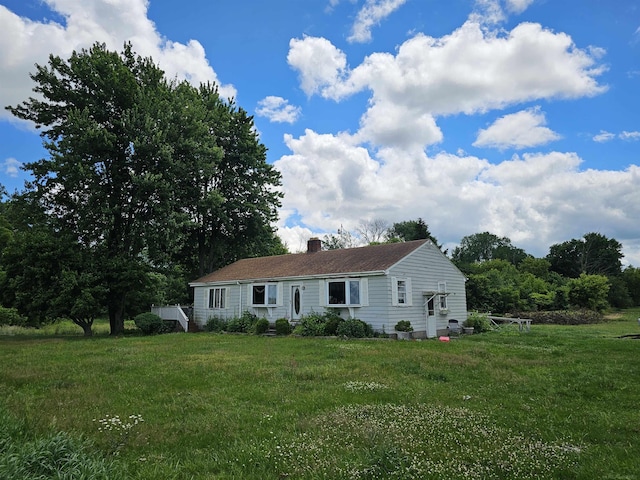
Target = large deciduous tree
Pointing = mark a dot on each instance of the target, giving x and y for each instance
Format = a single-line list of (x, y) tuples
[(225, 174), (144, 172), (102, 118), (593, 254), (484, 246), (411, 230)]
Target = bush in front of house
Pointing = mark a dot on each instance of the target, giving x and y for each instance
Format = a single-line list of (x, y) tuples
[(261, 326), (283, 327), (150, 323), (330, 323), (354, 328), (403, 326), (10, 316), (311, 325), (216, 325), (478, 321), (242, 324), (333, 321)]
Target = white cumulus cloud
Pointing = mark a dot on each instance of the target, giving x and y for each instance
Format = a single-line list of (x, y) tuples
[(278, 109), (396, 125), (373, 12), (317, 61), (472, 70), (518, 6), (519, 130)]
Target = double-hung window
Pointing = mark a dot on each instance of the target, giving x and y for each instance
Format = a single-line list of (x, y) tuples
[(401, 294), (265, 295), (217, 298), (442, 297), (344, 292)]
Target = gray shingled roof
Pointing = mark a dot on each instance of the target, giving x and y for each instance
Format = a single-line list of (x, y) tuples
[(374, 258)]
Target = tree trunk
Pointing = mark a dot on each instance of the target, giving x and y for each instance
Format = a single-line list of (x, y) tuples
[(85, 325), (87, 329), (116, 315)]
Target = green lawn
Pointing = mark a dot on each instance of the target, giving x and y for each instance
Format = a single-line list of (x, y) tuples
[(557, 402)]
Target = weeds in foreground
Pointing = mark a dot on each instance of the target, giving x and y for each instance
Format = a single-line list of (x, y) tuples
[(56, 455), (364, 386), (399, 441), (117, 430)]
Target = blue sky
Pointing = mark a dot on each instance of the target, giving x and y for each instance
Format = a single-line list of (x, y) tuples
[(518, 117)]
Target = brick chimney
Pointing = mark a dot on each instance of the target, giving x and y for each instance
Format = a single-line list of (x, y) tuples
[(314, 245)]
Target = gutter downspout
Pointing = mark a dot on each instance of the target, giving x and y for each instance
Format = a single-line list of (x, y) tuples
[(240, 305)]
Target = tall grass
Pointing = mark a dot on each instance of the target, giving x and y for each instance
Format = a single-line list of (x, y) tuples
[(557, 402), (63, 327), (54, 455)]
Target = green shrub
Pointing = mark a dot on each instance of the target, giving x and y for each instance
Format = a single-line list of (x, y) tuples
[(261, 326), (333, 321), (404, 326), (589, 291), (330, 323), (283, 327), (311, 325), (216, 324), (354, 328), (243, 324), (368, 330), (236, 325), (150, 323), (479, 322), (10, 316)]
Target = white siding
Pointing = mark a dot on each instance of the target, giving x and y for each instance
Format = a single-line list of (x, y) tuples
[(427, 267), (201, 311)]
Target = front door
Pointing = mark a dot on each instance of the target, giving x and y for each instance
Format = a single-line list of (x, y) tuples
[(432, 328), (296, 302)]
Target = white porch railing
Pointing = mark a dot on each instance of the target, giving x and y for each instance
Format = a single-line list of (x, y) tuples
[(172, 312)]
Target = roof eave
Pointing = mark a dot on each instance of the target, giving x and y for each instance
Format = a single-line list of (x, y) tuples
[(317, 276)]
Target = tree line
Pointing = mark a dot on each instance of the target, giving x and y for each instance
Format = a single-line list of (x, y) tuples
[(148, 183), (580, 273)]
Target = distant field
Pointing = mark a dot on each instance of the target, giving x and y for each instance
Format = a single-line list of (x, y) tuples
[(558, 402)]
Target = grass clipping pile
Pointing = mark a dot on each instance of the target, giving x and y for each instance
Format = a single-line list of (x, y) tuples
[(417, 441)]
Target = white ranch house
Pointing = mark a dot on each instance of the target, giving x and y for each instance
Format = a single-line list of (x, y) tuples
[(379, 284)]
